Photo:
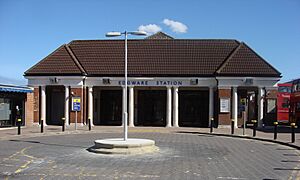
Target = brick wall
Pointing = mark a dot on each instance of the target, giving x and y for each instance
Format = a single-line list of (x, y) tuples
[(36, 105), (224, 118), (77, 92), (29, 109)]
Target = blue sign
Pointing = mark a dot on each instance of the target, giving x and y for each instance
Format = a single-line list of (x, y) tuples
[(76, 104)]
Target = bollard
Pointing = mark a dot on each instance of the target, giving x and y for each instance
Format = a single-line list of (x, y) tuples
[(293, 131), (211, 125), (42, 125), (254, 127), (19, 121), (90, 124), (232, 126), (275, 130), (63, 124)]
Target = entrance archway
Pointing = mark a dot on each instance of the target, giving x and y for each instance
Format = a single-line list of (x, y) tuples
[(193, 108), (152, 108), (55, 99)]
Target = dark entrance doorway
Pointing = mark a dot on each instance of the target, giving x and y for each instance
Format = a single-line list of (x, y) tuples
[(55, 102), (152, 107), (110, 107), (193, 108)]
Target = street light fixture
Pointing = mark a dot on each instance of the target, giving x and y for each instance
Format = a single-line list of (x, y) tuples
[(115, 34)]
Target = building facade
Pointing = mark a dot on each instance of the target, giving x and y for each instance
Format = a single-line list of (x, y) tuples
[(171, 82), (15, 103)]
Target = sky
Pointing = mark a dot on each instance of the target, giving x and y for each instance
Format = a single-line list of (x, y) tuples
[(32, 29)]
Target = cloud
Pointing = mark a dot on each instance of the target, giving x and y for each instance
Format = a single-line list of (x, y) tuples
[(150, 28), (175, 26)]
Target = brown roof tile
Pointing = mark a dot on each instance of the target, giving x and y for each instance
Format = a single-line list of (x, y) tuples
[(153, 57), (156, 57), (246, 62), (159, 35), (58, 62)]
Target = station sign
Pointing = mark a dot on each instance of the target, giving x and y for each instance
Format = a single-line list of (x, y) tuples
[(151, 82), (76, 103)]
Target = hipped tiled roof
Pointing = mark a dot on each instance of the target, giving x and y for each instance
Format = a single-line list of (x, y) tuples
[(59, 62), (155, 57), (159, 35)]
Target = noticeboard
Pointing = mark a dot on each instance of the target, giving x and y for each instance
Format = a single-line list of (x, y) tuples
[(76, 104), (224, 105)]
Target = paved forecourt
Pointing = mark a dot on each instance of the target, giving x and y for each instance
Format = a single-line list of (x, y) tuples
[(181, 156)]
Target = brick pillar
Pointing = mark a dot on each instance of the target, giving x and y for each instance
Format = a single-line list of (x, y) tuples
[(224, 118), (29, 109), (36, 105), (78, 93)]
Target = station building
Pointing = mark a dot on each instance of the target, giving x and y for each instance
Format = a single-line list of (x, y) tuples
[(171, 82)]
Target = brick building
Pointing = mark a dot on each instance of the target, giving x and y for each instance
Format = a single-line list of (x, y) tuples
[(172, 82)]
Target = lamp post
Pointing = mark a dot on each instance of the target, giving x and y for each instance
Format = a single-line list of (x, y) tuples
[(115, 34)]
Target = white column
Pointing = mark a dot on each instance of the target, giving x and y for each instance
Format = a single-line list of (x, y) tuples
[(131, 107), (260, 103), (175, 107), (169, 107), (43, 104), (67, 93), (211, 104), (123, 105), (91, 102), (234, 106)]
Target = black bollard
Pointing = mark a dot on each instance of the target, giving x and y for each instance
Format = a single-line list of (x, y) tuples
[(63, 124), (254, 127), (19, 122), (90, 124), (211, 125), (275, 130), (232, 126), (293, 131), (42, 125)]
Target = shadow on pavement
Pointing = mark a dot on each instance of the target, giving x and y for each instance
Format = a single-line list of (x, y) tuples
[(287, 169), (281, 129), (48, 144), (194, 132)]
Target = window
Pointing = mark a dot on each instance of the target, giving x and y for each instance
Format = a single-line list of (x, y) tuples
[(296, 86), (285, 103), (284, 89), (271, 105), (298, 106), (5, 112)]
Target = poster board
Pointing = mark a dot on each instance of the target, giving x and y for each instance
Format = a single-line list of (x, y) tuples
[(224, 105)]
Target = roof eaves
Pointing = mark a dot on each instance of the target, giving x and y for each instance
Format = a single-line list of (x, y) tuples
[(44, 59), (279, 73)]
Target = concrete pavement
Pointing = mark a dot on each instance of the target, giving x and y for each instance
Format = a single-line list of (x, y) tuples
[(181, 156), (284, 135)]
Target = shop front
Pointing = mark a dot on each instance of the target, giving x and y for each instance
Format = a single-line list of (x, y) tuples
[(12, 104)]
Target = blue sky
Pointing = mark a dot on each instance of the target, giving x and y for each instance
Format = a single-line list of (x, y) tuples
[(32, 29)]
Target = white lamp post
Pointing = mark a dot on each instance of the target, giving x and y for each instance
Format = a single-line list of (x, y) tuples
[(114, 34)]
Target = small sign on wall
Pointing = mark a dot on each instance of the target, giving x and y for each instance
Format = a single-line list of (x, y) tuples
[(224, 105)]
